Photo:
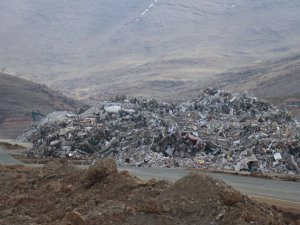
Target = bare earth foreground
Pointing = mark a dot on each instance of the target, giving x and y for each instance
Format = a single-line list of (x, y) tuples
[(59, 193)]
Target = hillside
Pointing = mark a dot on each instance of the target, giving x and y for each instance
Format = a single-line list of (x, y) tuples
[(274, 80), (19, 97), (98, 48)]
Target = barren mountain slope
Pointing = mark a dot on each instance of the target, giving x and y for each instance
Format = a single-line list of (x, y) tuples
[(275, 80), (90, 47), (18, 97)]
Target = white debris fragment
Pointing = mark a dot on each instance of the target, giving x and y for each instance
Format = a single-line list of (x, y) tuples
[(53, 143), (130, 111), (113, 109), (277, 156)]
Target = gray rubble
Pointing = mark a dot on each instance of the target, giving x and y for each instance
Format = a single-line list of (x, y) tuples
[(217, 130)]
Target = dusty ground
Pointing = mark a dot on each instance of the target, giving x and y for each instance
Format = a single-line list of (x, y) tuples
[(62, 194)]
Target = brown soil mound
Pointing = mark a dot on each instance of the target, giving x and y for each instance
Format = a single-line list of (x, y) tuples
[(62, 194)]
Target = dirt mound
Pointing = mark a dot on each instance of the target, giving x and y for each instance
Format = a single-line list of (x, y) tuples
[(99, 171), (215, 202), (62, 194)]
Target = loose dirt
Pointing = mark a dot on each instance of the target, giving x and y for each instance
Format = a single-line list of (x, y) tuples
[(60, 193)]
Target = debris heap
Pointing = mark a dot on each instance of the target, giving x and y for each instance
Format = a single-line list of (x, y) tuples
[(218, 130)]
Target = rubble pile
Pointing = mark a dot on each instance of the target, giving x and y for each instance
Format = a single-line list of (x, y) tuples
[(218, 130)]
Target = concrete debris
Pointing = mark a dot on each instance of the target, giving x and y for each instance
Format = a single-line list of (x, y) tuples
[(277, 156), (113, 109), (217, 130)]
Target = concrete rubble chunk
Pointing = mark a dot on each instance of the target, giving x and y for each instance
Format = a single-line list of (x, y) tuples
[(277, 156), (53, 143), (221, 129), (113, 109)]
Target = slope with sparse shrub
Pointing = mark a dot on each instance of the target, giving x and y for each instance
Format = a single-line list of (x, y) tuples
[(19, 97)]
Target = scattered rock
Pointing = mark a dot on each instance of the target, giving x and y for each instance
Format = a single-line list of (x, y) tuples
[(220, 215)]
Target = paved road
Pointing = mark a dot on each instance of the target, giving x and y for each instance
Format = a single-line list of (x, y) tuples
[(6, 159), (280, 190)]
